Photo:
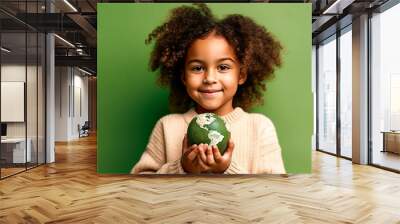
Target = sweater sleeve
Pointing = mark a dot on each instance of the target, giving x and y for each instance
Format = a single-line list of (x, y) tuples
[(153, 159), (269, 154)]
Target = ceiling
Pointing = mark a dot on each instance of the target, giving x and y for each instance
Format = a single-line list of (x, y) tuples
[(76, 22)]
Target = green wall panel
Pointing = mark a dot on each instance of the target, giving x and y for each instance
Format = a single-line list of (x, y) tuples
[(130, 102)]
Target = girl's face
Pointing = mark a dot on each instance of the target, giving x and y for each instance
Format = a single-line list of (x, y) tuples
[(212, 74)]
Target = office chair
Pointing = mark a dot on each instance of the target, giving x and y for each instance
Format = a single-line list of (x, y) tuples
[(84, 130)]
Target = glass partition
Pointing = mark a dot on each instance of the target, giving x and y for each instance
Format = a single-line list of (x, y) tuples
[(22, 88), (13, 109)]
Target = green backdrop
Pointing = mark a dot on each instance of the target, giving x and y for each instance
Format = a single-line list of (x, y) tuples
[(130, 102)]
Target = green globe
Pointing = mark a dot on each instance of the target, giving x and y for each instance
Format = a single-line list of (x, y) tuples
[(208, 128)]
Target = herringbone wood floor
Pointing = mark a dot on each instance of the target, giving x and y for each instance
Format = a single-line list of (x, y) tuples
[(70, 191)]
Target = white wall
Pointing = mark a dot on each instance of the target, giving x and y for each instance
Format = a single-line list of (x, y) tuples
[(16, 72), (33, 127), (71, 87), (13, 72), (13, 101), (82, 82), (62, 81)]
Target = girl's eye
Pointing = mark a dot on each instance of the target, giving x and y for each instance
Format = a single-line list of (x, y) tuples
[(223, 68), (197, 68)]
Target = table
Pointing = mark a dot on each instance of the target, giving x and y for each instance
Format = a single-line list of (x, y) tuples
[(391, 141)]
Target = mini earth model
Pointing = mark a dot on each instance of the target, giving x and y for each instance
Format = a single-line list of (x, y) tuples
[(208, 128)]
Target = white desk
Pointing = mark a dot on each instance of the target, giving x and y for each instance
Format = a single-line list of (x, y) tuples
[(18, 150)]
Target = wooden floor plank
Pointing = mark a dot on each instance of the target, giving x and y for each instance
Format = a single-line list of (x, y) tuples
[(70, 191)]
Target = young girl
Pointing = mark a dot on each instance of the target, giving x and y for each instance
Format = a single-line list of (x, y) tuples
[(216, 66)]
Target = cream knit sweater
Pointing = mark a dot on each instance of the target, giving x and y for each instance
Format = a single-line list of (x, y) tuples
[(257, 150)]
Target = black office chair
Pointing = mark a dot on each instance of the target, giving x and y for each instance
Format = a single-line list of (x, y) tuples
[(84, 130)]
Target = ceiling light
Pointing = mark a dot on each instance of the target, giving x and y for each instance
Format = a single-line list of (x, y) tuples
[(64, 40), (70, 5), (5, 50), (84, 71), (79, 51), (337, 7)]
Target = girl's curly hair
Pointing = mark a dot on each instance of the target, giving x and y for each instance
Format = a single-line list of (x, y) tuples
[(256, 49)]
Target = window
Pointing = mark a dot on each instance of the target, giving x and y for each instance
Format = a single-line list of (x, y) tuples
[(327, 95), (385, 88), (346, 92)]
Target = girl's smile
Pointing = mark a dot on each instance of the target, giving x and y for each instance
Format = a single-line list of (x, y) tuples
[(210, 93), (212, 74)]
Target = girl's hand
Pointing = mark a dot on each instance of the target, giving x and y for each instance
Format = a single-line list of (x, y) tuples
[(190, 160), (211, 156)]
